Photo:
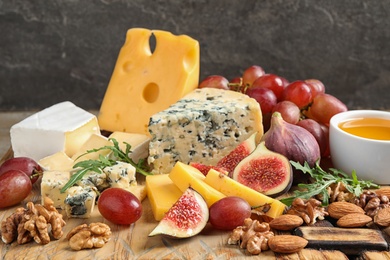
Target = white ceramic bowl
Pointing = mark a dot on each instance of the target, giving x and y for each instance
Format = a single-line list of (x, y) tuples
[(368, 157)]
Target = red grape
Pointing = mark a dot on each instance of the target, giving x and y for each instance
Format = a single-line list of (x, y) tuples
[(236, 84), (299, 93), (251, 74), (316, 130), (15, 186), (272, 82), (119, 206), (229, 212), (289, 111), (316, 86), (264, 96), (325, 106), (24, 164), (214, 81)]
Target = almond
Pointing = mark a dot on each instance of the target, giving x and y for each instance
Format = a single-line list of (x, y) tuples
[(341, 208), (354, 220), (383, 190), (286, 222), (382, 218), (287, 244)]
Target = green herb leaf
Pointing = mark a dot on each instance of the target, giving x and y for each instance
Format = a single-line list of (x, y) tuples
[(98, 165), (322, 180)]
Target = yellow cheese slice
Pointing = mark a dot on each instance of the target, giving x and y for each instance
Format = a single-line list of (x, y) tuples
[(185, 176), (162, 194), (230, 187), (145, 82)]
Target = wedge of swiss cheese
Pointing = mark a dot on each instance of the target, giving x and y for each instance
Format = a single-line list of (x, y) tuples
[(145, 82)]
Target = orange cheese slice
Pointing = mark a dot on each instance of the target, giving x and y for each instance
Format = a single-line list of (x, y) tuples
[(146, 81)]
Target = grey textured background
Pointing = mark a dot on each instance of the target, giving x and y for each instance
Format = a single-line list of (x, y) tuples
[(58, 50)]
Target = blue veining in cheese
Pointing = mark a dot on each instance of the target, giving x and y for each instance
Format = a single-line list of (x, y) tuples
[(121, 175), (203, 126), (80, 201)]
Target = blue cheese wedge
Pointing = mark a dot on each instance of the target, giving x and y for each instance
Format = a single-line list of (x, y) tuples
[(51, 185), (203, 127), (121, 175), (80, 201), (96, 180)]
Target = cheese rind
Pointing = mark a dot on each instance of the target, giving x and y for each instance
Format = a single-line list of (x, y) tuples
[(61, 127), (162, 194), (185, 176), (203, 127), (230, 187), (51, 184), (145, 82)]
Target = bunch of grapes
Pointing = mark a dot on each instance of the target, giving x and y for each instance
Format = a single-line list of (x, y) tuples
[(301, 102)]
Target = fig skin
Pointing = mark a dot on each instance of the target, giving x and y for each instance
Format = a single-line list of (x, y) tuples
[(294, 142), (265, 171), (317, 131)]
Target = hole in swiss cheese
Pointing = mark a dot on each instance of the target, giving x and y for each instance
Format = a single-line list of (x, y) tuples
[(152, 43), (151, 92)]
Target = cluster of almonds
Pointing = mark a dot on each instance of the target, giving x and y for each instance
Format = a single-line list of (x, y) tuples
[(33, 223), (369, 207)]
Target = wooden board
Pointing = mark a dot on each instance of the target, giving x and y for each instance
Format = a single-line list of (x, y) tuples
[(131, 242)]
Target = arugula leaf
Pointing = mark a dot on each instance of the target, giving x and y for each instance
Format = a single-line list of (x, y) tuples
[(322, 180), (98, 165)]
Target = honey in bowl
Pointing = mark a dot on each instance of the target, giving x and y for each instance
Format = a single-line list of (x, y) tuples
[(371, 128)]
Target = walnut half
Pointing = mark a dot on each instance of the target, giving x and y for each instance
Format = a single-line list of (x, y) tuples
[(253, 236), (95, 235), (309, 210)]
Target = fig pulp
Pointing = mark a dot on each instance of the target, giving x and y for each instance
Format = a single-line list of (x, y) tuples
[(204, 169), (294, 142), (186, 218), (230, 161), (265, 171)]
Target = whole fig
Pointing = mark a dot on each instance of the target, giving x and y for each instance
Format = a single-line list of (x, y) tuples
[(294, 142)]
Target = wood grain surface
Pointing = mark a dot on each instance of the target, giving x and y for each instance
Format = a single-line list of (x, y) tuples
[(131, 241)]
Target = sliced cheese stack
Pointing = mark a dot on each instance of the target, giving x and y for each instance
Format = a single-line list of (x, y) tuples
[(165, 189), (145, 82), (61, 127), (203, 127)]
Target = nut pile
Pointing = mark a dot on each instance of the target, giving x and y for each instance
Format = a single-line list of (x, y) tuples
[(255, 236), (36, 222)]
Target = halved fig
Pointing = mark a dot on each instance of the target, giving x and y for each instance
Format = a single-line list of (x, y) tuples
[(230, 161), (186, 218), (204, 169), (265, 171)]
